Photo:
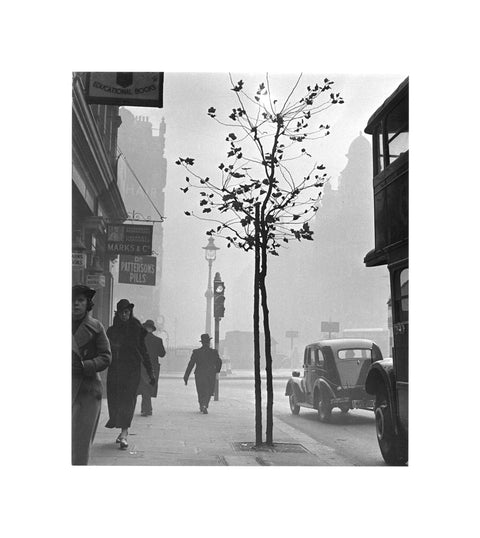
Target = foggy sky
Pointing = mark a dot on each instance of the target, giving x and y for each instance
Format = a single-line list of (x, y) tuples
[(190, 132)]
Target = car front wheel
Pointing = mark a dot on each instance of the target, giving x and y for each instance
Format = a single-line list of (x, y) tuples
[(324, 407), (294, 407), (389, 443)]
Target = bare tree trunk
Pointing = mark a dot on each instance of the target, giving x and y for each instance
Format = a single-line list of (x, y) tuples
[(256, 334), (268, 347)]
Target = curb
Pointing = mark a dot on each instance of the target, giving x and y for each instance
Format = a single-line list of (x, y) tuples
[(229, 378)]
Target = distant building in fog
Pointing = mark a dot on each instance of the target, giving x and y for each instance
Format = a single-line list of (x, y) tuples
[(143, 147), (351, 294), (237, 349), (330, 280)]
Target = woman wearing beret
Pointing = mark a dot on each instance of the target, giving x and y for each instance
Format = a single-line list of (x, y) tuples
[(127, 340), (90, 354)]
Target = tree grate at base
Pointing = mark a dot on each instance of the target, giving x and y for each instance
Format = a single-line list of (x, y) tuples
[(284, 448)]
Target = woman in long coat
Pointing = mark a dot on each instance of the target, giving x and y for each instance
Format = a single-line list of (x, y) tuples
[(90, 355), (127, 340)]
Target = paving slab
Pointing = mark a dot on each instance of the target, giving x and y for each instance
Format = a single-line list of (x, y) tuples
[(177, 434)]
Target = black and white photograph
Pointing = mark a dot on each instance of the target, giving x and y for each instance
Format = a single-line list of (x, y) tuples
[(213, 202), (251, 230)]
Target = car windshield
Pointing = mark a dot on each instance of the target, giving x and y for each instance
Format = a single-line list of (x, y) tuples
[(355, 354)]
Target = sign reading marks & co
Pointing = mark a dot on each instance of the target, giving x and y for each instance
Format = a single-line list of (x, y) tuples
[(132, 239), (79, 260), (137, 270)]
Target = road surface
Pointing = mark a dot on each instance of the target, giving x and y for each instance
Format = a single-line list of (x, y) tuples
[(352, 436)]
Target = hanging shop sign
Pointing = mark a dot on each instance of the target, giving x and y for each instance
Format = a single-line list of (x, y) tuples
[(139, 270), (95, 280), (132, 239), (79, 260), (128, 88)]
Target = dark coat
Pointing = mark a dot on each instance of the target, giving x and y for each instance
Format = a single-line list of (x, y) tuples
[(128, 353), (207, 364), (90, 354), (155, 349)]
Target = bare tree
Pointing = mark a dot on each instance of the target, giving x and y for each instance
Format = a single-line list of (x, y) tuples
[(257, 203)]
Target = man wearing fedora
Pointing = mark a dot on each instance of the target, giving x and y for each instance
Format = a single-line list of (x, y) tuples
[(207, 364), (155, 350)]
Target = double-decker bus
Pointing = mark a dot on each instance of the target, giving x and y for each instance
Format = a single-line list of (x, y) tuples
[(387, 379)]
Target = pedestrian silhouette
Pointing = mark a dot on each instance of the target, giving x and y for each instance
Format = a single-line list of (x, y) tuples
[(155, 350), (207, 364), (127, 340)]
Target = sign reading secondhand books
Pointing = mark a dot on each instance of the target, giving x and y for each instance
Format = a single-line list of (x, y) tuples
[(133, 239), (129, 88), (139, 270)]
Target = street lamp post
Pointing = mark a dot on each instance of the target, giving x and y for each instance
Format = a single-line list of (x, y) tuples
[(210, 255)]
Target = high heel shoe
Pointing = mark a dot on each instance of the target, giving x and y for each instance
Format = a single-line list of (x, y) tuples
[(123, 443)]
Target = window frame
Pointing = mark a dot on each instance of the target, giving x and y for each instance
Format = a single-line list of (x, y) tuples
[(355, 358), (382, 140), (319, 362)]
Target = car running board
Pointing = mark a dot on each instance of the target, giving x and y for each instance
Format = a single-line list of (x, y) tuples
[(305, 404)]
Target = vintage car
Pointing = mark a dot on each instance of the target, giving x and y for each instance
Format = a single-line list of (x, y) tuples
[(334, 376)]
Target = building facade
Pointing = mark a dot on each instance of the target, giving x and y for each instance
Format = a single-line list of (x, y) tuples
[(142, 173), (96, 198), (355, 296)]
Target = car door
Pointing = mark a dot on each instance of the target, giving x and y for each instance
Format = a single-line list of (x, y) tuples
[(311, 373), (303, 382), (320, 363)]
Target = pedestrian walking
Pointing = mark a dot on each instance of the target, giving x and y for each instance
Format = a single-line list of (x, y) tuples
[(127, 340), (155, 350), (207, 364), (90, 355)]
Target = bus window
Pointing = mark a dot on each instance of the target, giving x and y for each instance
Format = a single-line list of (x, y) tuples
[(379, 157), (401, 294), (397, 131), (404, 290)]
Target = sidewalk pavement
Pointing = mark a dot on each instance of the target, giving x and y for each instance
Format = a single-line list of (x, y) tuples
[(178, 434)]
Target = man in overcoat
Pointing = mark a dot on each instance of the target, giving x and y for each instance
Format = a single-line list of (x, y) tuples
[(155, 350), (207, 364), (90, 355)]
